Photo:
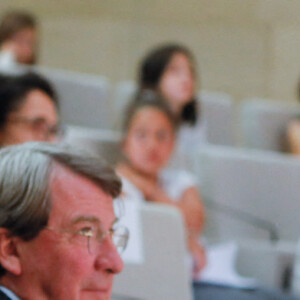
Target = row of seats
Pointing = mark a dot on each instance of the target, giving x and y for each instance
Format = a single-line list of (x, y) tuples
[(269, 263), (90, 101), (87, 101)]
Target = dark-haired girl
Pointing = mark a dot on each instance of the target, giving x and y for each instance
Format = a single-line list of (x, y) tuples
[(170, 71)]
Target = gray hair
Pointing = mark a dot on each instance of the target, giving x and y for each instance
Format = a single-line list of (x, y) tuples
[(25, 176)]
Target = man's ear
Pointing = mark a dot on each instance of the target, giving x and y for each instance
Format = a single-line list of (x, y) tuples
[(9, 258)]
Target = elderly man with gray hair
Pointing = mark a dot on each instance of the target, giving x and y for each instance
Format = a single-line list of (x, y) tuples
[(58, 231)]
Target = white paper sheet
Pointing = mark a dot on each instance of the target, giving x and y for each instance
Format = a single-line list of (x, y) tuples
[(220, 268), (131, 218)]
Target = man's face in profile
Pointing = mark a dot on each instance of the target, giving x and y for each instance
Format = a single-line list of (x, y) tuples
[(62, 263)]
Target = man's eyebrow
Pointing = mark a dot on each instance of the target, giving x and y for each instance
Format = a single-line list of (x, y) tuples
[(92, 219), (86, 219)]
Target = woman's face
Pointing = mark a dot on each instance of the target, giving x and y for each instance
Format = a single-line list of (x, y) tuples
[(35, 120), (177, 82), (23, 45), (150, 140)]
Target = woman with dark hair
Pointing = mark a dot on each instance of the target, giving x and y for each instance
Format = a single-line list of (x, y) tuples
[(18, 38), (28, 110), (170, 71)]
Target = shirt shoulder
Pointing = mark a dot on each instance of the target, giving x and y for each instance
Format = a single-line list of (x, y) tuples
[(176, 182)]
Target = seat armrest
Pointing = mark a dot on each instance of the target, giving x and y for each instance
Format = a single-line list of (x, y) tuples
[(271, 263)]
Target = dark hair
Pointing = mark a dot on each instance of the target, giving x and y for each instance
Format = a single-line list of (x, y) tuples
[(13, 91), (152, 69), (13, 22), (148, 98)]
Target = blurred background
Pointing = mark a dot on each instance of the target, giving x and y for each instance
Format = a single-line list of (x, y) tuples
[(246, 48)]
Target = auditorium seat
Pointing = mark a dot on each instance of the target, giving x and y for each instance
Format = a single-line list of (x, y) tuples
[(84, 98), (271, 263), (264, 123), (262, 184), (219, 114), (163, 275), (252, 197), (100, 142), (123, 94)]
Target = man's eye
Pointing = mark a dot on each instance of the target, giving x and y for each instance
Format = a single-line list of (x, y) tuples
[(86, 231)]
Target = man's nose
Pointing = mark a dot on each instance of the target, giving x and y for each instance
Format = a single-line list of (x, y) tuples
[(108, 258)]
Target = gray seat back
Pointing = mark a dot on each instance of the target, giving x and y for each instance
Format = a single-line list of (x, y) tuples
[(100, 142), (262, 184), (218, 111), (264, 123), (164, 274), (84, 98)]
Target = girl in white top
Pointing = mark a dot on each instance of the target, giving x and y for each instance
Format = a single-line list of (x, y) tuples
[(170, 71), (150, 135)]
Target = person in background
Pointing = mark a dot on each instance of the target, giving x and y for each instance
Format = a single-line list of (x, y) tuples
[(293, 133), (170, 70), (59, 237), (148, 142), (18, 39), (28, 110)]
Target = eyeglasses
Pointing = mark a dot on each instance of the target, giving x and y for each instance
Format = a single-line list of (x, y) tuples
[(40, 127), (91, 236)]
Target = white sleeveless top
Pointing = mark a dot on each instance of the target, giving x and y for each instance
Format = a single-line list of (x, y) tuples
[(173, 182)]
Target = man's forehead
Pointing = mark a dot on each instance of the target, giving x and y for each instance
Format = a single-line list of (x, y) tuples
[(62, 178), (74, 194)]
